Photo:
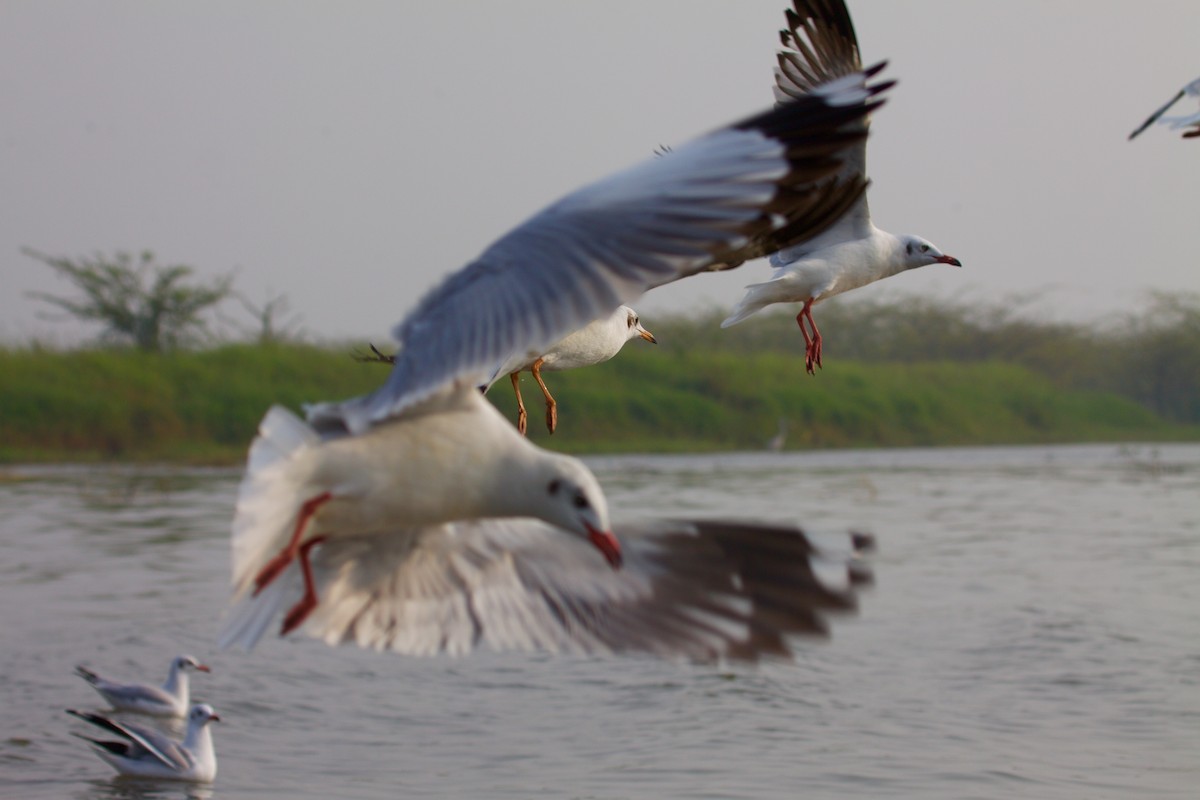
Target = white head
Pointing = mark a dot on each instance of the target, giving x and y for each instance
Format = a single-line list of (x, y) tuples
[(573, 500), (202, 714), (185, 663), (633, 325), (920, 252)]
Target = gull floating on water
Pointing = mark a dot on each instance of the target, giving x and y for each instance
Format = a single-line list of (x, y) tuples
[(595, 343), (426, 456), (1175, 123), (146, 753), (821, 47), (169, 700)]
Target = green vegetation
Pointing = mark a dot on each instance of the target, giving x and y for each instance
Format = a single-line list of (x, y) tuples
[(896, 374)]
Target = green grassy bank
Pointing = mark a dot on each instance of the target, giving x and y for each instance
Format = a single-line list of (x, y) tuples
[(203, 406)]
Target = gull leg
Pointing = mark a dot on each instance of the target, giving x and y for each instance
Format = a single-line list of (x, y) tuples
[(279, 563), (812, 345), (551, 406), (522, 417), (302, 609)]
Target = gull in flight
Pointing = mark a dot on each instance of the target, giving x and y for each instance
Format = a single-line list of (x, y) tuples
[(820, 47), (169, 700), (142, 752), (425, 462), (1187, 120), (593, 344)]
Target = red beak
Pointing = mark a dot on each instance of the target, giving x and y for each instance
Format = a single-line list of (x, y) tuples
[(607, 544), (203, 668), (951, 260)]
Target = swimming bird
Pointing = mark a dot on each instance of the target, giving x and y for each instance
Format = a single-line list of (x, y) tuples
[(1175, 123), (595, 343), (426, 450), (821, 48), (169, 700), (146, 753)]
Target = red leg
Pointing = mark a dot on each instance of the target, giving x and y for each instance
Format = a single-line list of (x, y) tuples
[(816, 335), (302, 609), (522, 416), (280, 562)]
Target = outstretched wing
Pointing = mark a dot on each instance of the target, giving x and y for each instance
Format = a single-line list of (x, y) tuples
[(697, 590), (140, 741), (820, 50), (606, 244)]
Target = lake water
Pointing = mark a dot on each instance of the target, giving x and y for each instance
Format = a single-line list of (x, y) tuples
[(1034, 632)]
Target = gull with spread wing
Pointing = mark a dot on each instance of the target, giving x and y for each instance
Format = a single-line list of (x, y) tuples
[(143, 752), (413, 465), (595, 343), (821, 48)]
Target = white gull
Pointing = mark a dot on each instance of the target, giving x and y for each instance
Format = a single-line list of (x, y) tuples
[(595, 343), (169, 700), (1187, 120), (426, 454), (146, 753), (822, 49)]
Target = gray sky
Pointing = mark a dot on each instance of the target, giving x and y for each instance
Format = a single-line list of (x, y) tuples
[(351, 154)]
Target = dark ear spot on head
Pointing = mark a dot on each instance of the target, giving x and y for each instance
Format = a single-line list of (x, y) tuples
[(554, 486), (908, 248)]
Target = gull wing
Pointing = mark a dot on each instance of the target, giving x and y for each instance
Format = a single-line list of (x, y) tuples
[(820, 53), (669, 217), (139, 742), (701, 591)]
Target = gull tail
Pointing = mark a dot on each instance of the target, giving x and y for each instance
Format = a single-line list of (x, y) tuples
[(87, 675), (269, 500), (758, 296)]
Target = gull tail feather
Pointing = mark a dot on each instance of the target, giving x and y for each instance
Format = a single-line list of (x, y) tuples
[(758, 296), (269, 499)]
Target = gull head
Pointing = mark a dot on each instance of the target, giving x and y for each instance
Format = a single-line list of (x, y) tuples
[(574, 501), (185, 663), (202, 714), (920, 252), (634, 326)]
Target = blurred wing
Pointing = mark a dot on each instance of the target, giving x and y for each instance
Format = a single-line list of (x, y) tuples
[(606, 244), (154, 744), (820, 53), (697, 590)]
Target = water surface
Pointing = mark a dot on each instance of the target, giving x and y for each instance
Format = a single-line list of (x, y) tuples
[(1034, 631)]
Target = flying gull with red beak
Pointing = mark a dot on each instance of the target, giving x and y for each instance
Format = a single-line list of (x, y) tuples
[(821, 50)]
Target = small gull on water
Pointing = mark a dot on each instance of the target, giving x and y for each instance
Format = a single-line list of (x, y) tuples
[(822, 51), (595, 343), (169, 700), (429, 523), (146, 753)]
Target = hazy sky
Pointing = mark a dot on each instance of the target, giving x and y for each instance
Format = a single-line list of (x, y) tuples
[(351, 154)]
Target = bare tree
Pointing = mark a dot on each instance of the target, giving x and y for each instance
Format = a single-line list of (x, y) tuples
[(139, 300), (274, 320)]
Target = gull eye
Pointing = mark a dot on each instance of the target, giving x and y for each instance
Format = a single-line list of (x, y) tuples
[(924, 248), (580, 501)]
